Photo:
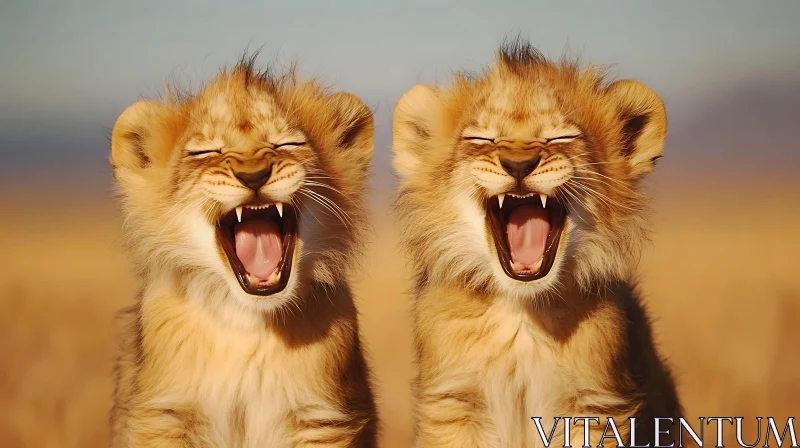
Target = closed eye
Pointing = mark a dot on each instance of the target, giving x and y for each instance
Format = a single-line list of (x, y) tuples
[(203, 152), (563, 138), (281, 145), (478, 139)]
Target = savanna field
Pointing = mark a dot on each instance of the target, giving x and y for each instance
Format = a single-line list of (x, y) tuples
[(720, 279)]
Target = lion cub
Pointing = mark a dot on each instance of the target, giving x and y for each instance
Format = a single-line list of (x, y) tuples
[(522, 212), (242, 211)]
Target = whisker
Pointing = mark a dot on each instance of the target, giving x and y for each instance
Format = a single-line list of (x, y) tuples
[(602, 197), (296, 205), (579, 155), (327, 204), (324, 185), (331, 203), (324, 205), (590, 164), (628, 189), (576, 199), (609, 178)]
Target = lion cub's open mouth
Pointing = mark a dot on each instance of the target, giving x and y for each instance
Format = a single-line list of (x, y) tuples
[(526, 232), (259, 242)]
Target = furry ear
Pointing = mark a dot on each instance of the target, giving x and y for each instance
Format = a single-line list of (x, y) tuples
[(644, 123), (355, 128), (142, 136), (411, 127)]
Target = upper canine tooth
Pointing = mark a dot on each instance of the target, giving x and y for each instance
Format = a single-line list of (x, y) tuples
[(543, 197), (239, 213), (500, 198), (279, 206)]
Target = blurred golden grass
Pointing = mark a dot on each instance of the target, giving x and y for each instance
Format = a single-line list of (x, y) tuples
[(721, 281)]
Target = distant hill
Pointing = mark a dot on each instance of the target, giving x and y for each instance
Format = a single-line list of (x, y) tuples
[(753, 127)]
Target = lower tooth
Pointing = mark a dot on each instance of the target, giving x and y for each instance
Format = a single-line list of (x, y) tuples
[(534, 268), (271, 280)]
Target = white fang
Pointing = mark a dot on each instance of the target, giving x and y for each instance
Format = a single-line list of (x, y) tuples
[(239, 213), (543, 197), (279, 206), (500, 198)]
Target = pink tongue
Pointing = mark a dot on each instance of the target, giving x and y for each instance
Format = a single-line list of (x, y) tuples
[(258, 246), (527, 231)]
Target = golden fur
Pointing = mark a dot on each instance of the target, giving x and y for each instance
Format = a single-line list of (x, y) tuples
[(492, 351), (202, 362)]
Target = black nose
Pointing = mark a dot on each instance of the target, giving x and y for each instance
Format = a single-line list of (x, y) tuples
[(519, 169), (255, 180)]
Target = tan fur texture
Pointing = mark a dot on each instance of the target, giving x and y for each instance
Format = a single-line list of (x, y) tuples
[(492, 351), (202, 363)]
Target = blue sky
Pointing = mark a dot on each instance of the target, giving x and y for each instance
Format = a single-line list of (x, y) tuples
[(70, 68)]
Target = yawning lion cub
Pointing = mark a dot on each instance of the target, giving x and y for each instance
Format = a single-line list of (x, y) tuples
[(522, 212), (242, 211)]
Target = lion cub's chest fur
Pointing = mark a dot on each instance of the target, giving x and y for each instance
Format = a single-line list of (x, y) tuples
[(227, 387), (513, 368)]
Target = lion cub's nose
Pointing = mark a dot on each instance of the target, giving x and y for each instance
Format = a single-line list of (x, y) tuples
[(256, 180), (519, 169)]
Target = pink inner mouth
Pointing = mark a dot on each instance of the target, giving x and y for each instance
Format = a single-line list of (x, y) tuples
[(527, 230), (259, 246)]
